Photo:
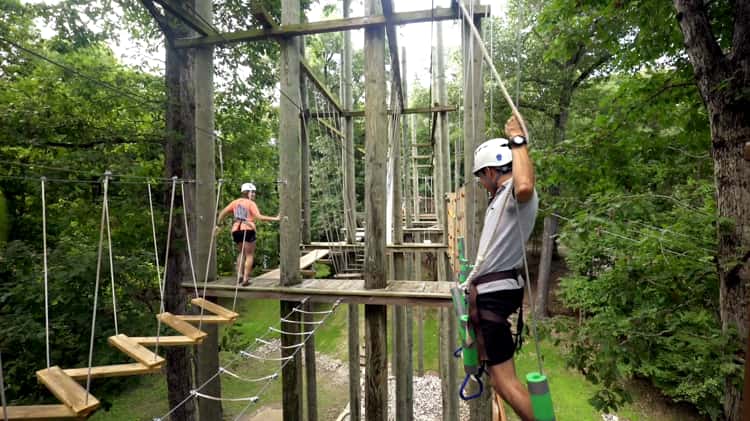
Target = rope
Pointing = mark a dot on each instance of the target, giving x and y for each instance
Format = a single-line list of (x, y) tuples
[(162, 285), (96, 284), (153, 232), (2, 389), (298, 310), (249, 355), (491, 65), (211, 244), (313, 322), (534, 332), (244, 379), (274, 344), (46, 270), (273, 329), (252, 399), (111, 268), (187, 238)]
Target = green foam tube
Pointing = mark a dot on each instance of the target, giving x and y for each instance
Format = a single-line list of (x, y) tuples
[(541, 400)]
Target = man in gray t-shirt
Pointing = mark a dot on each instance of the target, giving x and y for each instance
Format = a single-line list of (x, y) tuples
[(496, 287)]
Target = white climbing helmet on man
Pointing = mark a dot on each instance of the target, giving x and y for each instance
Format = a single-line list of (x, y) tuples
[(492, 153), (247, 187)]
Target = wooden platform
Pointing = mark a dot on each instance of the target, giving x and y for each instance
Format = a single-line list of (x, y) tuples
[(435, 294)]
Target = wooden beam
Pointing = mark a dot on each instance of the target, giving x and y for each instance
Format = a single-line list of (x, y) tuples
[(361, 113), (68, 391), (320, 85), (40, 413), (330, 128), (117, 370), (135, 350), (188, 17), (390, 30), (333, 25)]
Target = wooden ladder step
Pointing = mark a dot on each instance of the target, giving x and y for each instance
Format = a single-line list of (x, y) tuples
[(164, 340), (39, 413), (182, 326), (206, 318), (68, 391), (214, 308), (135, 350), (116, 370)]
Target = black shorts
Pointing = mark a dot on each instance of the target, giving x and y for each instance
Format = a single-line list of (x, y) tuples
[(498, 339), (247, 235)]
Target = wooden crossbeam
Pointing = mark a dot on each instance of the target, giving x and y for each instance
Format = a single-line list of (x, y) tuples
[(361, 113), (164, 340), (330, 128), (190, 18), (39, 413), (310, 73), (135, 350), (182, 326), (214, 308), (116, 370), (206, 318), (67, 390), (333, 25)]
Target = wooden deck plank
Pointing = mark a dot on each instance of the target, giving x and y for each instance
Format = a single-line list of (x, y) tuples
[(67, 390), (206, 318), (135, 350), (348, 290), (214, 308), (40, 413), (164, 340), (116, 370)]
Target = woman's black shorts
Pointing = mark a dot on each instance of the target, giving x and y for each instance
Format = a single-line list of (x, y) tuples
[(247, 235), (498, 339)]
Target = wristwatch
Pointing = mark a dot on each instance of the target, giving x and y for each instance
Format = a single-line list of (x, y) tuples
[(516, 141)]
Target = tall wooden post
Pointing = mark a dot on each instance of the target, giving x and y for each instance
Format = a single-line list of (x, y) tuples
[(179, 157), (417, 254), (406, 158), (350, 207), (305, 150), (376, 128), (414, 169), (481, 409), (290, 203), (448, 332), (207, 353)]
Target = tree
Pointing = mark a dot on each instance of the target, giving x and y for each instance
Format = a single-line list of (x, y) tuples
[(722, 74)]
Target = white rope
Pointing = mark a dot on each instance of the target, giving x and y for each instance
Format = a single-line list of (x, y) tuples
[(2, 384), (279, 346), (96, 284), (252, 399), (187, 237), (111, 268), (245, 379), (299, 310), (153, 232), (491, 65), (163, 282), (302, 322), (46, 270), (258, 357), (221, 157), (273, 329), (211, 249)]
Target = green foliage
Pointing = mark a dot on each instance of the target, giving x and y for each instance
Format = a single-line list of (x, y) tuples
[(4, 223)]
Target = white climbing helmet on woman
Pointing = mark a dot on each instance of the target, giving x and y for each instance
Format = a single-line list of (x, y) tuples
[(247, 187), (492, 153)]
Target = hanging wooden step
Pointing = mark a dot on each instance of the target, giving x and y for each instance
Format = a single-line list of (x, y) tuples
[(68, 391), (214, 308), (135, 350), (117, 370), (39, 413), (164, 340), (206, 318), (182, 326)]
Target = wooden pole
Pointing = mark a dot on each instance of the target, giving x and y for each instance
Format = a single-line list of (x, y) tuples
[(179, 157), (448, 332), (207, 353), (305, 150), (376, 396), (290, 204), (310, 372), (480, 409), (350, 207)]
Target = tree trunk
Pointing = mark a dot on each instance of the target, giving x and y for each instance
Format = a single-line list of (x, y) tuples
[(545, 266), (723, 81), (179, 154)]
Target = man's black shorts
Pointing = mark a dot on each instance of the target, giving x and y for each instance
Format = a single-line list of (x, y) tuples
[(498, 339), (247, 235)]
